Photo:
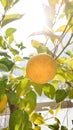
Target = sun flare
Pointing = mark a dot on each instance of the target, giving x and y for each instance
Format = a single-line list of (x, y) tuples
[(35, 15)]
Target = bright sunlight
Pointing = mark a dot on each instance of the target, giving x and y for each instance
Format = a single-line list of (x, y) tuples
[(34, 17)]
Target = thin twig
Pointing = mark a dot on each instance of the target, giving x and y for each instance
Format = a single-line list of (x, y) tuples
[(63, 35), (57, 12), (67, 24), (67, 31), (3, 16), (65, 46)]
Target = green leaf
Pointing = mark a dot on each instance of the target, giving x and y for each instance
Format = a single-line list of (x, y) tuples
[(53, 1), (14, 51), (51, 111), (18, 120), (61, 60), (52, 36), (18, 58), (2, 43), (4, 54), (15, 2), (49, 90), (6, 3), (7, 128), (20, 45), (23, 87), (3, 83), (57, 120), (42, 49), (69, 9), (29, 125), (37, 119), (55, 83), (69, 12), (8, 63), (38, 88), (60, 95), (9, 31), (39, 46), (60, 77), (71, 93), (11, 39), (30, 101), (10, 18), (62, 15), (35, 43), (69, 53), (54, 126), (69, 63), (2, 91), (13, 99), (65, 69), (3, 67), (37, 127), (60, 28), (23, 83), (64, 128)]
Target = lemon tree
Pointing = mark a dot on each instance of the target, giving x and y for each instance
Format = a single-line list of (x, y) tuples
[(49, 72)]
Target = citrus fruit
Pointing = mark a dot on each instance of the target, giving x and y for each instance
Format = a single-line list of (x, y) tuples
[(41, 68), (3, 102)]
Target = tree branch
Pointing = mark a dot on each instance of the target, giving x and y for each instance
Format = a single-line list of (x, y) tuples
[(65, 46), (63, 34)]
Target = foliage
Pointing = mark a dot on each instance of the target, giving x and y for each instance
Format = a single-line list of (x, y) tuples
[(21, 92)]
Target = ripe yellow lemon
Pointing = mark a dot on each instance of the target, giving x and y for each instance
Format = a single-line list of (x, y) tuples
[(3, 102), (41, 68)]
